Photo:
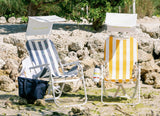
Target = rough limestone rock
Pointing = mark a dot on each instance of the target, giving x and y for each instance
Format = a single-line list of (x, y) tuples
[(90, 82), (146, 45), (2, 63), (2, 20), (157, 48), (85, 21), (22, 51), (8, 103), (157, 81), (88, 63), (89, 72), (8, 48), (74, 47), (70, 59), (15, 39), (7, 51), (149, 66), (81, 111), (14, 74), (85, 52), (150, 78), (80, 54), (11, 67), (18, 20), (99, 45), (158, 62), (76, 86), (6, 84), (12, 20), (72, 54), (149, 70), (67, 87), (90, 45), (144, 56), (40, 102), (153, 29), (11, 64), (92, 52), (75, 33)]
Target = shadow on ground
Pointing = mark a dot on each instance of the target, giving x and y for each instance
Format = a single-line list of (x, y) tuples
[(96, 98), (6, 96), (17, 28)]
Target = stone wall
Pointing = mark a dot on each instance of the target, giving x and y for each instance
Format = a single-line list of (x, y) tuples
[(78, 42)]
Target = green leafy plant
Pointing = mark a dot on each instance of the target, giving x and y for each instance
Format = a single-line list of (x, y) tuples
[(24, 19), (11, 8), (97, 11), (156, 5), (144, 8), (92, 10)]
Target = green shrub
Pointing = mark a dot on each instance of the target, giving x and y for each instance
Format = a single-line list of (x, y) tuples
[(24, 19), (76, 9), (97, 12), (156, 4), (144, 8), (11, 8)]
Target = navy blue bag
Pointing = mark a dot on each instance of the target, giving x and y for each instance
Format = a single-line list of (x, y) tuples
[(32, 89)]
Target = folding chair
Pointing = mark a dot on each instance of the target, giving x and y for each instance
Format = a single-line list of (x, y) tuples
[(120, 56), (43, 54)]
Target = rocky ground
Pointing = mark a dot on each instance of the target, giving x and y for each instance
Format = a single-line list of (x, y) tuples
[(80, 42), (11, 104)]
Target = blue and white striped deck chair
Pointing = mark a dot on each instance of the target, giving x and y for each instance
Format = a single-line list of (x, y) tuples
[(43, 54)]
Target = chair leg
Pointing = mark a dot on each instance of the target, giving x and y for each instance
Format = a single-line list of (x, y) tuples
[(60, 91), (85, 91), (102, 84), (53, 92), (135, 90), (124, 92), (54, 89), (117, 91), (84, 85), (137, 87), (102, 89)]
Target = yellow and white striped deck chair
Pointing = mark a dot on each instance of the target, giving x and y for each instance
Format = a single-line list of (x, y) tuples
[(120, 56)]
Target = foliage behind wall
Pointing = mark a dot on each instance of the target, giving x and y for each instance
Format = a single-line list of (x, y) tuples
[(77, 9)]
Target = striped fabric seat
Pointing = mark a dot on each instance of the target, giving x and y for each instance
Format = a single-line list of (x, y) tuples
[(120, 55), (44, 52)]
